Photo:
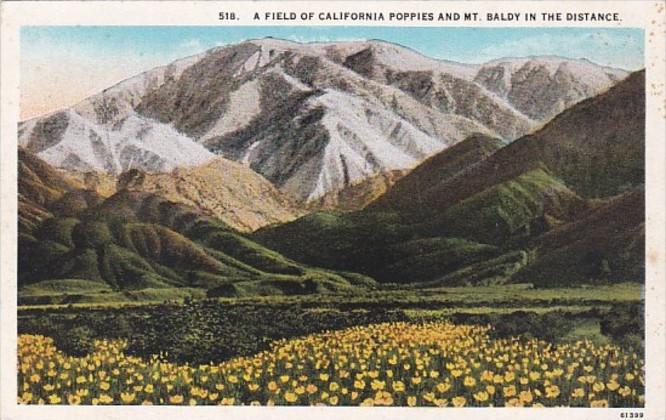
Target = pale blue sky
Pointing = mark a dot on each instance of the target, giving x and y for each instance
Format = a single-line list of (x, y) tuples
[(61, 65)]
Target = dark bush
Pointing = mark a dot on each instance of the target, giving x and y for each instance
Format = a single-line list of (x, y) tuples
[(625, 324), (77, 341), (550, 326)]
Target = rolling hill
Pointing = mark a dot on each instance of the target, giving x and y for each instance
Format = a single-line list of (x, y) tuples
[(40, 187), (137, 245), (605, 244), (409, 192)]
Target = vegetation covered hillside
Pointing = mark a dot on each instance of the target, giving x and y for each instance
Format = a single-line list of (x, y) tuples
[(542, 209), (135, 245)]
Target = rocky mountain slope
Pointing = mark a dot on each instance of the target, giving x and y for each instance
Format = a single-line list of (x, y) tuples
[(542, 87), (413, 190), (561, 206), (220, 188), (105, 133), (40, 187), (311, 118), (357, 196)]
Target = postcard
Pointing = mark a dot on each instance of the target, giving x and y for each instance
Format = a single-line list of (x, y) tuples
[(333, 210)]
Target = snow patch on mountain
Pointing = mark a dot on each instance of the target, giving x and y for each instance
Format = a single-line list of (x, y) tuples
[(135, 142), (244, 105), (365, 139), (119, 101)]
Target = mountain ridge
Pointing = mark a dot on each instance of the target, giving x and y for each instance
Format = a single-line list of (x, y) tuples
[(560, 206), (132, 126)]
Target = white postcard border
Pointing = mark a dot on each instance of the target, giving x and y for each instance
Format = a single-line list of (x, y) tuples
[(649, 15)]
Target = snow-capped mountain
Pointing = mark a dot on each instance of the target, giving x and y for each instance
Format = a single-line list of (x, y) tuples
[(542, 87), (105, 133), (311, 118)]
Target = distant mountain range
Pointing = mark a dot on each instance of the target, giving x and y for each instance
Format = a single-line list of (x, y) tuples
[(313, 119), (271, 167)]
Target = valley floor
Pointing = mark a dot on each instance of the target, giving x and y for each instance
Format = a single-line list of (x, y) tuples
[(504, 296), (386, 347)]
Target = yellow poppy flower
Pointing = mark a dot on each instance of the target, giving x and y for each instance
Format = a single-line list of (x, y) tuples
[(469, 381), (105, 399), (290, 396), (481, 396), (526, 396), (176, 399), (126, 397)]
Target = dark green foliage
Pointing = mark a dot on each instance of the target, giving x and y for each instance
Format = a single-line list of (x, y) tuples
[(487, 272), (125, 270), (197, 331), (604, 245), (510, 210), (625, 323), (91, 234), (224, 290), (77, 341), (80, 263), (551, 326), (58, 230), (160, 244), (37, 258), (382, 245), (431, 258), (246, 251)]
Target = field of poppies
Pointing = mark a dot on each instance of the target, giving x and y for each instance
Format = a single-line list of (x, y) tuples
[(384, 364)]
